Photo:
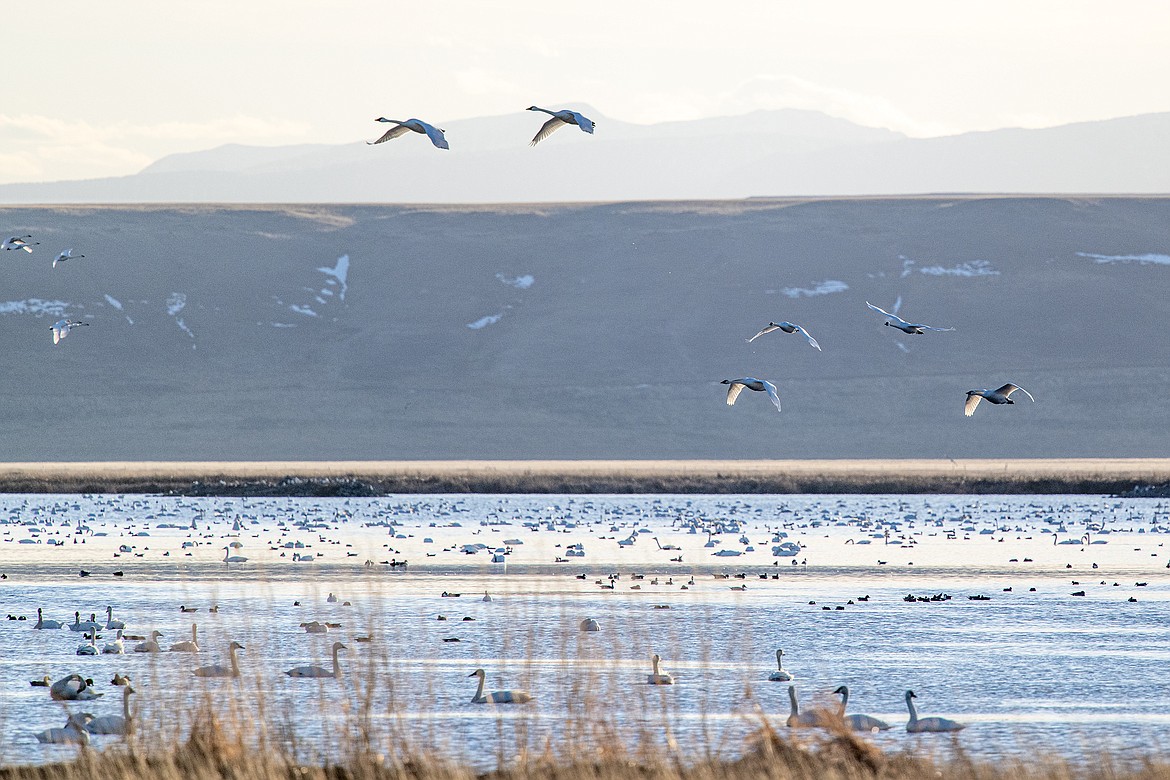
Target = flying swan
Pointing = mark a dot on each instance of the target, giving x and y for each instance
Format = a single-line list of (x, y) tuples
[(906, 327), (787, 327), (417, 125), (1000, 395), (736, 386), (559, 120)]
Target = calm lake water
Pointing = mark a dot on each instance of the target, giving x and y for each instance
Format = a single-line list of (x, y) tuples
[(1036, 667)]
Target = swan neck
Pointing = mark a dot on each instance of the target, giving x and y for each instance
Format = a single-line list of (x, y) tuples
[(792, 700), (913, 712), (479, 689)]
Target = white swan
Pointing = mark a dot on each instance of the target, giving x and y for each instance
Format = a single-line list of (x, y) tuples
[(417, 125), (795, 718), (66, 255), (319, 671), (918, 725), (780, 674), (218, 670), (74, 687), (906, 327), (188, 647), (61, 328), (559, 120), (227, 558), (150, 645), (656, 677), (486, 597), (787, 327), (589, 624), (496, 697), (90, 647), (859, 722), (77, 625), (115, 724), (18, 242), (73, 733), (736, 386), (42, 623), (1000, 395), (117, 647), (112, 624)]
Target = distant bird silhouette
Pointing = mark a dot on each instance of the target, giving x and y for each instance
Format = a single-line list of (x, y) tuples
[(559, 120), (66, 255), (906, 327), (736, 386), (415, 125), (998, 396), (60, 330), (787, 327)]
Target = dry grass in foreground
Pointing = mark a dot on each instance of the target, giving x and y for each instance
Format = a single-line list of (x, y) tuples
[(211, 753)]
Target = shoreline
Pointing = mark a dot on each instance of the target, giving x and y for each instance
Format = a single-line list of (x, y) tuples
[(1116, 476)]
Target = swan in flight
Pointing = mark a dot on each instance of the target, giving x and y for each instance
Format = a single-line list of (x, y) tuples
[(73, 688), (859, 722), (90, 647), (218, 670), (795, 718), (66, 255), (736, 386), (150, 645), (787, 327), (895, 321), (42, 623), (61, 328), (559, 120), (117, 647), (232, 558), (496, 697), (18, 242), (73, 733), (918, 725), (417, 125), (112, 624), (115, 724), (656, 677), (1000, 395), (188, 647), (319, 671), (780, 674)]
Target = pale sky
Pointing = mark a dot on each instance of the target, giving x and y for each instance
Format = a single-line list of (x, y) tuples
[(101, 89)]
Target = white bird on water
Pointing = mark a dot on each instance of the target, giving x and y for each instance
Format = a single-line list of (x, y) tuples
[(66, 255), (90, 647), (796, 719), (150, 645), (232, 558), (496, 697), (117, 647), (780, 674), (115, 724), (18, 242), (61, 329), (559, 120), (1000, 395), (219, 670), (319, 671), (906, 327), (918, 725), (787, 327), (73, 687), (43, 624), (859, 722), (415, 125), (73, 733), (736, 386), (188, 646), (656, 677)]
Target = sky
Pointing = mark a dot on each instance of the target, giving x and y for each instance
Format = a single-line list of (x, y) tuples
[(103, 89)]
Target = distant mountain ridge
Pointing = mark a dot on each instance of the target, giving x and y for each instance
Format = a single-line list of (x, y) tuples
[(764, 153)]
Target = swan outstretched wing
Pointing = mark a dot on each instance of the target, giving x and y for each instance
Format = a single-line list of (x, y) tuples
[(436, 135), (811, 341), (547, 129), (771, 390), (583, 123), (393, 132), (893, 317), (733, 391), (1007, 390), (931, 327), (770, 327), (973, 400)]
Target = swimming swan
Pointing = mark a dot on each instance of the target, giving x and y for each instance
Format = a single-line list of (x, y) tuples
[(232, 558), (795, 718), (115, 724), (188, 647), (319, 671), (497, 697), (77, 625), (42, 623), (73, 733), (559, 120), (918, 726), (417, 125), (656, 677), (217, 670), (150, 645), (906, 327), (780, 675), (74, 687), (859, 722), (787, 327), (1000, 395), (112, 624), (736, 386), (90, 647), (117, 647)]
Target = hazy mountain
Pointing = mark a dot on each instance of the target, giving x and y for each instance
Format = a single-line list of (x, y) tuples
[(355, 332), (770, 153)]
